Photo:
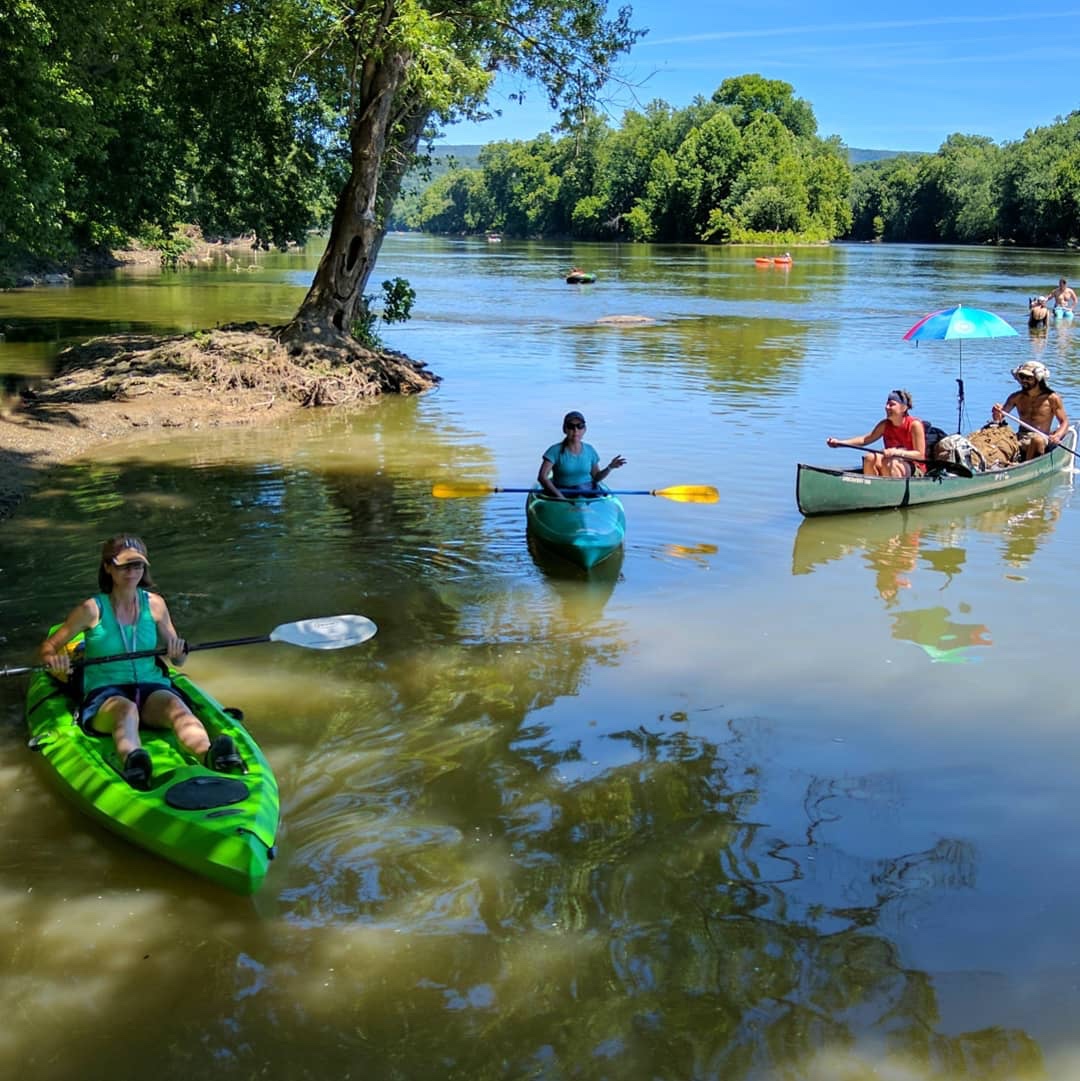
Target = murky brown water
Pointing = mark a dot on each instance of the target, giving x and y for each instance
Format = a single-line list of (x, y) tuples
[(762, 798)]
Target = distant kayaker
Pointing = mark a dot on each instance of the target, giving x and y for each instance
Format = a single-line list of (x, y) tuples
[(1035, 404), (1062, 297), (904, 436), (129, 615), (573, 463)]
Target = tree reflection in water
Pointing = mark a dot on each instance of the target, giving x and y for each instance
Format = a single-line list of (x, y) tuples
[(464, 893), (643, 919)]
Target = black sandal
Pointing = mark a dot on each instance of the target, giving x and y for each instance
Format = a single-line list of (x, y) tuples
[(138, 769), (222, 757)]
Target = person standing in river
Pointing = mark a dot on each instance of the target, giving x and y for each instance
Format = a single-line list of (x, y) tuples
[(1064, 296)]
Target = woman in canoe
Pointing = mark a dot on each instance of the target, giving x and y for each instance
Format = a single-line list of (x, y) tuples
[(904, 437), (573, 464), (129, 615)]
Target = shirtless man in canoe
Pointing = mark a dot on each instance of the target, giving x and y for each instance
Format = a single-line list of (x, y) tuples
[(1037, 405)]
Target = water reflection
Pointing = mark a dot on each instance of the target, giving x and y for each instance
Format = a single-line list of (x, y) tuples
[(941, 638), (1053, 344), (897, 546)]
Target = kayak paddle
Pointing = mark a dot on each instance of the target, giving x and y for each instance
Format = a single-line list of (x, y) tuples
[(326, 632), (679, 493)]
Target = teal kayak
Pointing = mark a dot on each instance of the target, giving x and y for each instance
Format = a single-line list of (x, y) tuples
[(585, 530), (221, 826)]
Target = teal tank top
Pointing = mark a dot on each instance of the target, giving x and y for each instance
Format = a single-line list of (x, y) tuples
[(108, 637)]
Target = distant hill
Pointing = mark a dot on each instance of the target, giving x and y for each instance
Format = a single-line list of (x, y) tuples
[(462, 156), (857, 155), (466, 156), (443, 159)]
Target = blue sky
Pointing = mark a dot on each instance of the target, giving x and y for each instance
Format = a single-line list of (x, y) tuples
[(902, 81)]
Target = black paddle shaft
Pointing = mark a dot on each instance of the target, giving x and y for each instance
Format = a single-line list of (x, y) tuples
[(958, 468), (160, 652)]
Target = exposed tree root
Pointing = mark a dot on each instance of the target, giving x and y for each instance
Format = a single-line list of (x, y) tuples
[(233, 375)]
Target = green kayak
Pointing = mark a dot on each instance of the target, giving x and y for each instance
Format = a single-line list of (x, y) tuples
[(585, 530), (221, 826)]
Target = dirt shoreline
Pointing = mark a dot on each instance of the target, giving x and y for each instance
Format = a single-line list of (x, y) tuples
[(122, 385)]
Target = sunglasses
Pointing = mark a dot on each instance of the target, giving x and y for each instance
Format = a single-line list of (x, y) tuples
[(132, 566), (574, 425)]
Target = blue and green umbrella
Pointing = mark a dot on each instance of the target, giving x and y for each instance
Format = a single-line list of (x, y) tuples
[(958, 324)]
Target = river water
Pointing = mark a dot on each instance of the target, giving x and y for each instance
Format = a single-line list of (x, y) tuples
[(760, 797)]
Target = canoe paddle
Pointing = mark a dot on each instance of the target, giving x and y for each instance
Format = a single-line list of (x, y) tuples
[(958, 468), (326, 632), (1037, 431), (679, 493)]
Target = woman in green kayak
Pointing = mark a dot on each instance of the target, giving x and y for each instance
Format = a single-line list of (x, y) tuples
[(127, 616), (573, 463)]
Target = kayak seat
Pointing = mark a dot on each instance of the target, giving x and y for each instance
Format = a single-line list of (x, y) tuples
[(204, 793)]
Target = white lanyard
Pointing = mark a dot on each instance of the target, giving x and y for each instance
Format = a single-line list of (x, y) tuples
[(130, 647)]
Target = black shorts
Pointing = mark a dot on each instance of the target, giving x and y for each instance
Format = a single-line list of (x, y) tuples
[(134, 692)]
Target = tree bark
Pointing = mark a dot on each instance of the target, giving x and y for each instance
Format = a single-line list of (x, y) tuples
[(377, 130)]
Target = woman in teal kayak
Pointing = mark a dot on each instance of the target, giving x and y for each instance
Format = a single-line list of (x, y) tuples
[(573, 465), (129, 615)]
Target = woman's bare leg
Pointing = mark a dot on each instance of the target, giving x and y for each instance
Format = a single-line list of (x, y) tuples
[(163, 709)]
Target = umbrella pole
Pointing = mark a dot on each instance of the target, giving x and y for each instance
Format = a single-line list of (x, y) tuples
[(960, 393)]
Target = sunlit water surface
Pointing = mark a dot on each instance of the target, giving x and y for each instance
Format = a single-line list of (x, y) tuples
[(760, 797)]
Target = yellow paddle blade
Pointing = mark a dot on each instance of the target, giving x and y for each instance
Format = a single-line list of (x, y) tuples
[(464, 490), (690, 493)]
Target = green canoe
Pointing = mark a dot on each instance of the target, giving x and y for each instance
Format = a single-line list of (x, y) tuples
[(221, 826), (584, 530), (838, 491)]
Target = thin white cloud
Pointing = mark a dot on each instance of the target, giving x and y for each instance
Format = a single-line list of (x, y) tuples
[(848, 28)]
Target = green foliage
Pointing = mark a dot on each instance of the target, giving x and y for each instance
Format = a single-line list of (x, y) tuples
[(171, 245), (398, 297), (425, 174), (158, 111), (750, 97), (746, 163), (974, 191)]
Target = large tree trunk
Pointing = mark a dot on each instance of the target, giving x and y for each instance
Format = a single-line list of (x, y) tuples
[(336, 294)]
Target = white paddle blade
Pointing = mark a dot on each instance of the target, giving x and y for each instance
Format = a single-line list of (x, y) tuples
[(327, 632)]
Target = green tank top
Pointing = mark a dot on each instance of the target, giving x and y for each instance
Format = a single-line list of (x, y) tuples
[(109, 637)]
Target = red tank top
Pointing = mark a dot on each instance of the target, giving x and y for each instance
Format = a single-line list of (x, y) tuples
[(899, 435)]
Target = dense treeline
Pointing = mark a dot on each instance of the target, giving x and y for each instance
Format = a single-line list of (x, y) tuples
[(973, 191), (746, 164), (124, 120)]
